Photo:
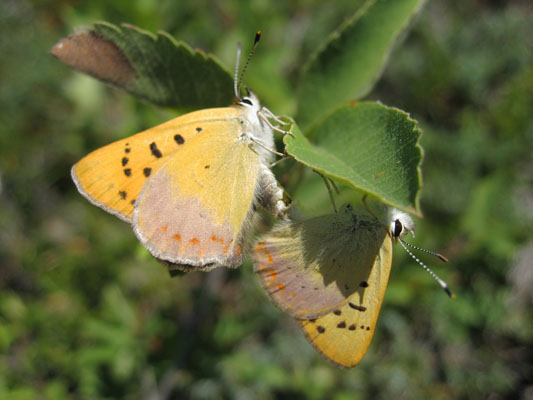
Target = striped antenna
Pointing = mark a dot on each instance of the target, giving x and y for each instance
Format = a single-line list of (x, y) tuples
[(236, 74), (438, 255), (443, 284), (237, 83)]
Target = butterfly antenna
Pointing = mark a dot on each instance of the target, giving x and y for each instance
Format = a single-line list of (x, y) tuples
[(439, 256), (428, 270), (236, 74), (238, 82)]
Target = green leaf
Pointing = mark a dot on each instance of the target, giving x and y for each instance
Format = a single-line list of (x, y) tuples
[(155, 68), (370, 147), (351, 61)]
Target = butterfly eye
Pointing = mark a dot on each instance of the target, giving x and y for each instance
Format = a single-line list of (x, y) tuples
[(246, 101), (398, 228)]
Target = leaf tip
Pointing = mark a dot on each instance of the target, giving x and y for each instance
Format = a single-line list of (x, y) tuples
[(90, 53)]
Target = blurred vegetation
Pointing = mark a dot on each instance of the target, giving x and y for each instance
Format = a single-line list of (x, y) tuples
[(85, 313)]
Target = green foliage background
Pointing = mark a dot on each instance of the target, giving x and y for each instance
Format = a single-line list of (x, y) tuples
[(85, 313)]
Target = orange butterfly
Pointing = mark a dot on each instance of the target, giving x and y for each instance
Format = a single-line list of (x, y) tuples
[(330, 273), (190, 186)]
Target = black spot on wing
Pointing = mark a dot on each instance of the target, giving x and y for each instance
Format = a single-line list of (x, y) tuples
[(179, 139), (352, 327), (356, 307), (320, 329), (337, 312), (155, 151), (125, 160), (341, 325), (364, 284), (147, 172), (122, 194), (198, 129), (207, 166), (127, 172)]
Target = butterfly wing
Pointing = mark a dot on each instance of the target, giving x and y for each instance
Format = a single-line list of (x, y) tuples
[(194, 210), (113, 176), (330, 273), (343, 335), (310, 268)]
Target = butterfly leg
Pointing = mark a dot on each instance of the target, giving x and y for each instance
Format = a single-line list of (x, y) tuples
[(259, 143), (265, 114), (269, 114)]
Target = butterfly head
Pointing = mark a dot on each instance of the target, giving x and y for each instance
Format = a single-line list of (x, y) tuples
[(400, 223), (250, 102)]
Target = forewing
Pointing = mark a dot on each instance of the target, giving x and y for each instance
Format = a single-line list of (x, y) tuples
[(343, 335), (312, 267), (194, 210), (113, 176)]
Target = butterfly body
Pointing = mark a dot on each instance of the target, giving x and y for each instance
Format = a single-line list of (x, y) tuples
[(189, 186)]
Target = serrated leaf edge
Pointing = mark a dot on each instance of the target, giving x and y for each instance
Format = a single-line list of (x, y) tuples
[(415, 129)]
